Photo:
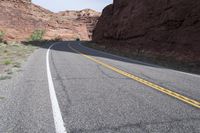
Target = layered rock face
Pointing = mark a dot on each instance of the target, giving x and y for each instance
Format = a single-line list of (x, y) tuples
[(86, 16), (19, 18), (166, 28)]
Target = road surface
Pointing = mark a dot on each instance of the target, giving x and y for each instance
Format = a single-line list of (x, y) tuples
[(71, 88)]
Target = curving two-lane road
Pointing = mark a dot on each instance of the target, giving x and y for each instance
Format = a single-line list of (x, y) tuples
[(75, 89)]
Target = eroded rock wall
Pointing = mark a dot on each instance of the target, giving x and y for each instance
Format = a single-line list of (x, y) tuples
[(168, 28), (20, 18)]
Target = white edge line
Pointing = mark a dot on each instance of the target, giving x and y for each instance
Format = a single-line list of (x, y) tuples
[(58, 121), (189, 74)]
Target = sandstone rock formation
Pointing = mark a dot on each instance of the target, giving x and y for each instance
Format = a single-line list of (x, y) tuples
[(86, 16), (156, 28), (19, 18)]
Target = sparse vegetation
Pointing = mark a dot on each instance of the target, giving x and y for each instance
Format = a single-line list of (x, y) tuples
[(37, 35), (7, 62), (1, 36), (9, 71), (5, 51), (57, 39), (4, 77), (1, 98), (16, 65), (11, 57)]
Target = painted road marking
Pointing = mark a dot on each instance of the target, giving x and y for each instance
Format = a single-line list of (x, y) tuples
[(58, 121), (125, 58), (145, 82)]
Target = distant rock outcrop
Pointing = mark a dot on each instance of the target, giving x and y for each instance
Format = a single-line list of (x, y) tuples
[(19, 18), (157, 28), (86, 16)]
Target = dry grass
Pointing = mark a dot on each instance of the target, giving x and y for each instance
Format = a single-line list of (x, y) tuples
[(11, 57)]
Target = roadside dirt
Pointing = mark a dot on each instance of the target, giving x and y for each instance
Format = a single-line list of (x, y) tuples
[(12, 56)]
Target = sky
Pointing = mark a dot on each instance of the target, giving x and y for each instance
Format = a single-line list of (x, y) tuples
[(62, 5)]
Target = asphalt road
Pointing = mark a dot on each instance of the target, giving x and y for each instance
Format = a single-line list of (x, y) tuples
[(91, 97)]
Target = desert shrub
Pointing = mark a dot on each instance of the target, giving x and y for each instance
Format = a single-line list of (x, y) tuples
[(58, 38), (1, 36), (37, 35), (77, 39), (7, 62)]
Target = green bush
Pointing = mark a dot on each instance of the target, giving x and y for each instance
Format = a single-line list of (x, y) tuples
[(1, 36), (7, 62), (37, 35)]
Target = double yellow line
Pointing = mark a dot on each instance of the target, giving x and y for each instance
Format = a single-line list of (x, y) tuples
[(145, 82)]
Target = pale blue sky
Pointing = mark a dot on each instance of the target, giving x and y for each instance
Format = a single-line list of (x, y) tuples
[(62, 5)]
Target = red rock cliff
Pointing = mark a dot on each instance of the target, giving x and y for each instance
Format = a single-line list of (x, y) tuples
[(19, 18), (168, 28)]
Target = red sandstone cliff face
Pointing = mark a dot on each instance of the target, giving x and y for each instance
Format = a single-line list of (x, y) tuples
[(166, 28), (86, 16), (19, 18)]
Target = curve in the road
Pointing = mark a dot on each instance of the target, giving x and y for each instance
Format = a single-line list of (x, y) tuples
[(58, 120), (176, 95)]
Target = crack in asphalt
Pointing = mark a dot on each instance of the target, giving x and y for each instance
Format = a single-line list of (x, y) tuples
[(153, 79), (59, 79), (107, 75), (168, 124)]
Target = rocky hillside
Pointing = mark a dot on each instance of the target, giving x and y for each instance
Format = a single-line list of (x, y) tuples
[(19, 18), (87, 16), (154, 28)]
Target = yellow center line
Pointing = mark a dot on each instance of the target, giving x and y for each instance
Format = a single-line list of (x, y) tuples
[(145, 82)]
